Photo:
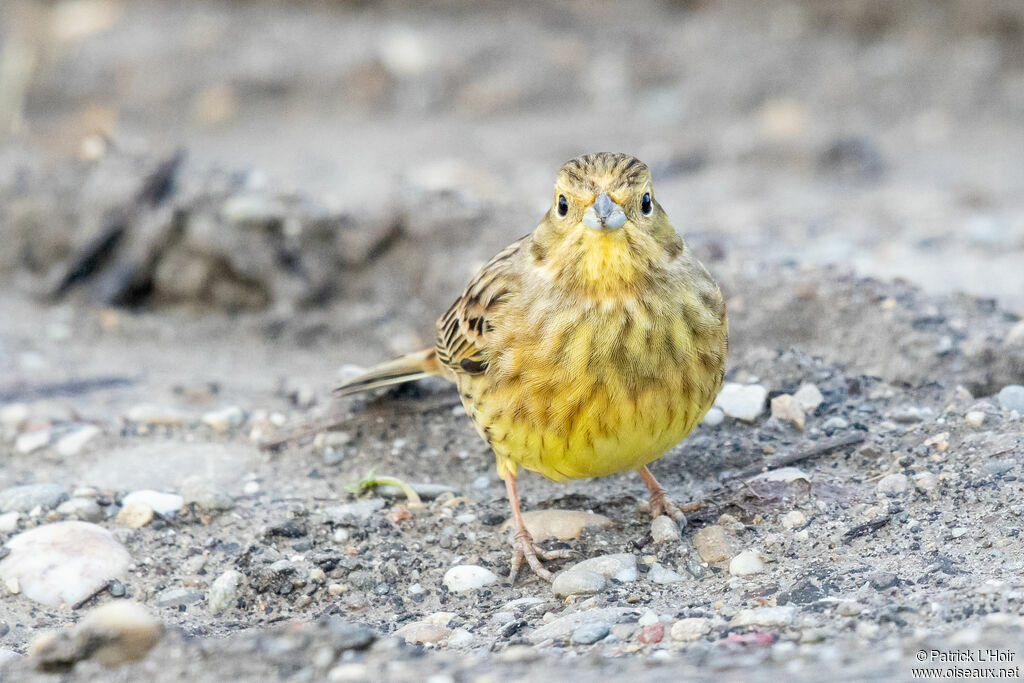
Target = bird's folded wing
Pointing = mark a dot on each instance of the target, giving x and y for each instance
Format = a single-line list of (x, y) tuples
[(462, 331)]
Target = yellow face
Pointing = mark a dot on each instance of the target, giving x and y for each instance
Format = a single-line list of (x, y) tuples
[(604, 193)]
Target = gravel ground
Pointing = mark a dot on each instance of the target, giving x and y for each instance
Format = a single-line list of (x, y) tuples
[(854, 500)]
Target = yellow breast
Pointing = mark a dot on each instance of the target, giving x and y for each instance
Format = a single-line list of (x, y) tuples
[(595, 389)]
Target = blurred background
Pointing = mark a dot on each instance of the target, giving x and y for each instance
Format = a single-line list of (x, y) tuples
[(282, 156)]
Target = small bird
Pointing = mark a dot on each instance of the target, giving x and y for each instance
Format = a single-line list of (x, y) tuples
[(590, 346)]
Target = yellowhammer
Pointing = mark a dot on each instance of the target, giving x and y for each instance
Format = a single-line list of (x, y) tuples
[(588, 347)]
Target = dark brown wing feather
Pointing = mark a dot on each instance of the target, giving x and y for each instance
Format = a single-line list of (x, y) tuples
[(462, 331)]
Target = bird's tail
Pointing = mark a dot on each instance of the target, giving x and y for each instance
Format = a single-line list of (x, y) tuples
[(405, 369)]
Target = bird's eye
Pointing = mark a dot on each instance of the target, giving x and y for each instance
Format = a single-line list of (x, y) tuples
[(563, 205), (645, 204)]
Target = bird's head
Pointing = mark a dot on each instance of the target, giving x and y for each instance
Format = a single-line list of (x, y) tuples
[(604, 192), (604, 224)]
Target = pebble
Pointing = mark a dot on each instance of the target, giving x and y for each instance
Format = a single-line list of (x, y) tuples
[(224, 591), (204, 494), (786, 408), (892, 484), (619, 566), (9, 521), (1016, 334), (75, 442), (577, 582), (112, 634), (589, 633), (560, 524), (764, 616), (423, 632), (652, 633), (86, 509), (712, 544), (835, 424), (30, 442), (665, 530), (786, 475), (165, 504), (647, 618), (663, 575), (460, 637), (714, 417), (64, 562), (223, 419), (425, 491), (14, 415), (746, 563), (360, 509), (793, 519), (809, 397), (562, 627), (467, 577), (177, 597), (1011, 397), (691, 628), (30, 496), (975, 418), (742, 401), (927, 483), (135, 515), (156, 415)]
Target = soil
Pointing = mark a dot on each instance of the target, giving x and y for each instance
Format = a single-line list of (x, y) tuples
[(851, 177)]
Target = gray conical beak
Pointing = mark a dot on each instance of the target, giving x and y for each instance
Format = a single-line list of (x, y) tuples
[(604, 214)]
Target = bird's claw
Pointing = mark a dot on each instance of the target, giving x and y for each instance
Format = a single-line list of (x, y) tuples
[(523, 548), (661, 505)]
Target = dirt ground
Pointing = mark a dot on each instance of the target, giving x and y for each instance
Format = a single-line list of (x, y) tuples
[(851, 175)]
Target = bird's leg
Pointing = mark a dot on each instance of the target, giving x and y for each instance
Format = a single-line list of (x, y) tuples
[(523, 547), (660, 504)]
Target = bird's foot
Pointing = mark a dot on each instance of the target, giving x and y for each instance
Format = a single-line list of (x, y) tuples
[(662, 505), (524, 549)]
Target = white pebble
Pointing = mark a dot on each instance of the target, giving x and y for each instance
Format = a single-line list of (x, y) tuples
[(793, 519), (74, 442), (663, 575), (466, 577), (30, 442), (746, 563), (975, 418), (64, 562), (714, 417), (164, 504), (742, 401), (809, 397)]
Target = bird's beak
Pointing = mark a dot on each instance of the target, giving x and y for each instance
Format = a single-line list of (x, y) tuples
[(604, 214)]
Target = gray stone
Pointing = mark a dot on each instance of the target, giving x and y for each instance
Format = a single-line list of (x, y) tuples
[(565, 625), (85, 509), (360, 509), (893, 484), (1011, 397), (425, 491), (665, 530), (178, 597), (663, 575), (29, 496), (225, 590), (205, 494), (589, 633), (577, 582), (619, 566)]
